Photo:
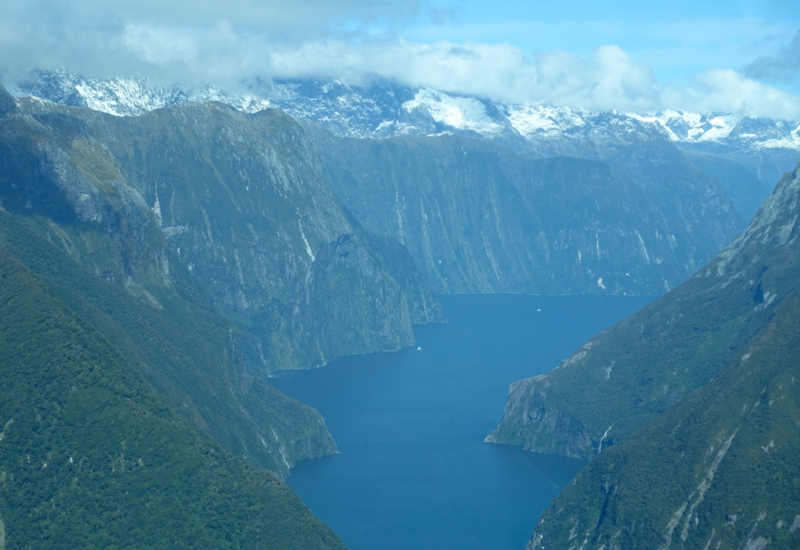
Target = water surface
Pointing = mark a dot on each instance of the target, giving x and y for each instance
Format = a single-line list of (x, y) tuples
[(413, 472)]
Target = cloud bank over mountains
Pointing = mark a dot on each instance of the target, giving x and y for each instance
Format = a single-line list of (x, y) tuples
[(354, 41)]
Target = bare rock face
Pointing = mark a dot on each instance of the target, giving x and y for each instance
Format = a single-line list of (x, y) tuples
[(479, 217)]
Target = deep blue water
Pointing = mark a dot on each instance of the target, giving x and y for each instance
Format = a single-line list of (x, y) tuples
[(413, 472)]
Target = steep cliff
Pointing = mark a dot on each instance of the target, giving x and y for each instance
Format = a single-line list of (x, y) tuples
[(71, 219), (627, 375), (482, 218), (237, 214), (691, 406), (243, 203), (717, 470), (764, 148)]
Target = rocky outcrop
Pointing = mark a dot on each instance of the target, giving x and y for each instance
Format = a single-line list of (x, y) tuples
[(7, 103)]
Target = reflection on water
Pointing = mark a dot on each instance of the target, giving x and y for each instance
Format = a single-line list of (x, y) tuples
[(413, 471)]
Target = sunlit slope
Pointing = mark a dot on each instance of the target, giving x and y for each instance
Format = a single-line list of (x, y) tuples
[(92, 457), (242, 202), (720, 469), (630, 373)]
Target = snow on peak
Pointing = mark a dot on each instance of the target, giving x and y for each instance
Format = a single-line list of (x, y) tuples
[(383, 110), (461, 113), (692, 127), (544, 120)]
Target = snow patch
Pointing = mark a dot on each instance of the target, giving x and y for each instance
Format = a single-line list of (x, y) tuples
[(462, 113)]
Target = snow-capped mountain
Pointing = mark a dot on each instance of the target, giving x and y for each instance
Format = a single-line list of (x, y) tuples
[(124, 96), (384, 110), (748, 154)]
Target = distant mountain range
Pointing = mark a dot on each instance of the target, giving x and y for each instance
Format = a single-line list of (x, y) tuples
[(746, 155), (385, 110)]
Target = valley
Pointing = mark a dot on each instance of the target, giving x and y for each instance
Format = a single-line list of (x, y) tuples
[(171, 256)]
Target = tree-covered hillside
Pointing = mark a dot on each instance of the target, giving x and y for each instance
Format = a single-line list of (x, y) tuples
[(692, 406), (92, 457)]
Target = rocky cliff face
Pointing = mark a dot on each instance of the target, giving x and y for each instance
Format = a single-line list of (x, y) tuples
[(148, 228), (70, 216), (764, 148), (691, 406), (482, 218), (244, 204)]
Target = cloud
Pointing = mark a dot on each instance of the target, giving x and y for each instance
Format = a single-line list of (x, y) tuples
[(784, 67), (609, 79), (350, 40), (157, 37), (725, 90)]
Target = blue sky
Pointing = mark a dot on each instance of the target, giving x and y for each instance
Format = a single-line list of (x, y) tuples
[(736, 57), (678, 38)]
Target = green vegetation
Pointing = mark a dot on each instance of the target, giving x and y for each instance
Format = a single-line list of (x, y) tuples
[(695, 403), (245, 207), (632, 372), (92, 457), (152, 271), (187, 351), (719, 469)]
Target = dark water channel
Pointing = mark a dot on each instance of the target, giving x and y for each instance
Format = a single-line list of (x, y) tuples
[(413, 472)]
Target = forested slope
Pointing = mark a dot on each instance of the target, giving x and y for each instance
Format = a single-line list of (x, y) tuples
[(92, 457)]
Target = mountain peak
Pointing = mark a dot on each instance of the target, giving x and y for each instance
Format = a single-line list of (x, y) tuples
[(7, 103)]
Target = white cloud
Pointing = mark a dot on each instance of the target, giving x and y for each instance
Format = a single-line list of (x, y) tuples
[(608, 80), (729, 91), (193, 43)]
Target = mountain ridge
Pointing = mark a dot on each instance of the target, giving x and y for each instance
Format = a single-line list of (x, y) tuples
[(763, 147)]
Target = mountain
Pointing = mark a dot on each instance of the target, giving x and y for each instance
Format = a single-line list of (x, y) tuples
[(480, 217), (691, 406), (161, 266), (124, 96), (765, 148), (241, 201), (114, 269), (154, 280)]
